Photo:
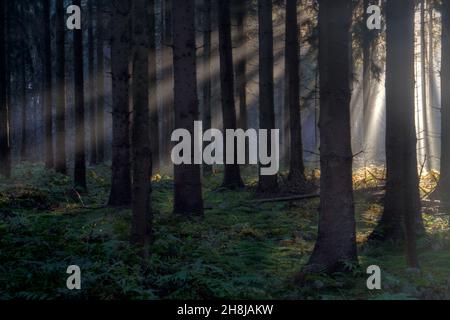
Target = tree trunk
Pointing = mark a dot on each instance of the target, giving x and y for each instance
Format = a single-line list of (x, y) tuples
[(167, 78), (100, 85), (336, 243), (5, 148), (143, 18), (188, 189), (443, 189), (60, 154), (206, 84), (80, 152), (23, 103), (267, 184), (424, 87), (91, 88), (121, 167), (297, 167), (402, 200), (232, 175), (153, 98), (241, 69), (48, 103), (367, 80)]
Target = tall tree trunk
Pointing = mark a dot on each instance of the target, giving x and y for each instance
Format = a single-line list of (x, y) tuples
[(232, 175), (336, 243), (48, 103), (91, 88), (121, 167), (167, 77), (143, 18), (100, 85), (367, 79), (5, 148), (266, 94), (423, 63), (402, 200), (241, 69), (188, 188), (152, 91), (206, 84), (60, 123), (297, 167), (23, 103), (80, 152), (443, 189)]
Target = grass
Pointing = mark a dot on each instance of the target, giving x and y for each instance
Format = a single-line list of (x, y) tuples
[(241, 250)]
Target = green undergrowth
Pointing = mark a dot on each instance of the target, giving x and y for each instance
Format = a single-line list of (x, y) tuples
[(241, 250)]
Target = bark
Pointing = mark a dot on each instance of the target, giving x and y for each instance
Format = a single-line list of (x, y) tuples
[(23, 103), (5, 148), (60, 121), (297, 167), (206, 84), (48, 103), (141, 150), (121, 167), (153, 99), (402, 200), (232, 174), (267, 184), (80, 149), (336, 243), (424, 88), (443, 189), (241, 69), (188, 189), (367, 80), (91, 88), (100, 84)]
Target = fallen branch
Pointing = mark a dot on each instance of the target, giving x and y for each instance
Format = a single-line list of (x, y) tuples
[(292, 198)]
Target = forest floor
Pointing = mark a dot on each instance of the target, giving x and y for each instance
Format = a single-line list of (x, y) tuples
[(241, 250)]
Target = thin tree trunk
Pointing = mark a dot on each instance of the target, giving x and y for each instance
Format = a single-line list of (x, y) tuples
[(5, 149), (367, 81), (241, 69), (48, 102), (23, 104), (100, 85), (297, 167), (91, 88), (232, 174), (424, 88), (80, 152), (152, 91), (336, 243), (143, 18), (121, 163), (267, 184), (188, 188), (206, 88), (60, 123), (402, 200)]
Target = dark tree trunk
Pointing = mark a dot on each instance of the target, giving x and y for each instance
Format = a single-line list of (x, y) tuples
[(167, 78), (443, 189), (23, 103), (188, 188), (5, 149), (80, 152), (336, 243), (91, 88), (153, 98), (402, 200), (142, 17), (100, 84), (241, 68), (48, 103), (267, 184), (60, 122), (206, 83), (232, 175), (367, 61), (121, 167), (297, 167)]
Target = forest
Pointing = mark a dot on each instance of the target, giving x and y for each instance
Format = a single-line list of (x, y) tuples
[(225, 149)]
